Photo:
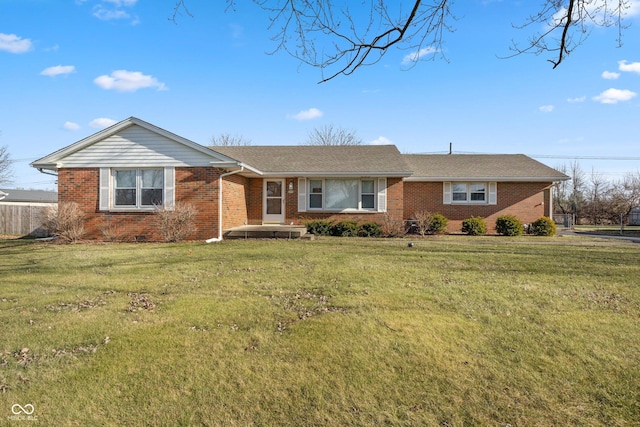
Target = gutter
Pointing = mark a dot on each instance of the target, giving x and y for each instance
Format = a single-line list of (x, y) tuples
[(219, 238)]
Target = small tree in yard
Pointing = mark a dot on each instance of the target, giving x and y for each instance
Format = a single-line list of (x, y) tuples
[(65, 221), (177, 224), (430, 223)]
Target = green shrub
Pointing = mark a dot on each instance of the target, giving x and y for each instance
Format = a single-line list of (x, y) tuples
[(370, 229), (474, 226), (345, 229), (438, 224), (319, 227), (509, 225), (543, 226)]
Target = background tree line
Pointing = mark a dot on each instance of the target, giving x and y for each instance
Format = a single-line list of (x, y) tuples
[(592, 198)]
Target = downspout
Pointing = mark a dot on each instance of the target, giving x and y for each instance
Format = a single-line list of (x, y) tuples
[(219, 238)]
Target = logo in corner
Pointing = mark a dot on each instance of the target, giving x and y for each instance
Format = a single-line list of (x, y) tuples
[(27, 409)]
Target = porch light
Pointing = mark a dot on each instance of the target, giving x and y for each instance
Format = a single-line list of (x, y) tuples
[(290, 187)]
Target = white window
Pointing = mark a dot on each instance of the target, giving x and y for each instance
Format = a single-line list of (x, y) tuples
[(331, 194), (470, 193), (138, 188), (133, 189)]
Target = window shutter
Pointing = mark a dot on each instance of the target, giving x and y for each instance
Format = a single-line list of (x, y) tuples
[(105, 193), (447, 193), (493, 193), (169, 188), (302, 194), (382, 194)]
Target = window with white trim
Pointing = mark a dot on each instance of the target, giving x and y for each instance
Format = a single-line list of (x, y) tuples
[(138, 188), (341, 194), (470, 193)]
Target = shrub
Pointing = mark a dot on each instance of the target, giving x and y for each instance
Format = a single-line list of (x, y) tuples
[(509, 225), (474, 226), (543, 226), (370, 229), (176, 224), (65, 221), (438, 224), (319, 227), (346, 229), (392, 227)]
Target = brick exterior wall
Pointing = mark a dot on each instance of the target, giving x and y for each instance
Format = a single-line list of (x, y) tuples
[(198, 186), (524, 200), (242, 202), (254, 210), (235, 200)]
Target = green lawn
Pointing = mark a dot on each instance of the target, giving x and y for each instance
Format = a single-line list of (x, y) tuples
[(455, 331)]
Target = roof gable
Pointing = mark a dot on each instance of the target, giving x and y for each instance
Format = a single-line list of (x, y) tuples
[(309, 160), (133, 142), (490, 167)]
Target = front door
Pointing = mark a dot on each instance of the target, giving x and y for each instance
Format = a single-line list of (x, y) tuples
[(273, 203)]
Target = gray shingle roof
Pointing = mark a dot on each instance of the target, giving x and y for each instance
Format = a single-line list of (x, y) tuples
[(381, 160), (36, 196), (495, 167)]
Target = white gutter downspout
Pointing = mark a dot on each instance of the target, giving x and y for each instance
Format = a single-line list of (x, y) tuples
[(219, 238)]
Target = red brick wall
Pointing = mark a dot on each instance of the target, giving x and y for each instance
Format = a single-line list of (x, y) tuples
[(235, 196), (198, 186), (524, 200)]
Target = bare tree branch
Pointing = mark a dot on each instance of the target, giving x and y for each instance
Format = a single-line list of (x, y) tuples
[(330, 135), (228, 140), (6, 172), (326, 34)]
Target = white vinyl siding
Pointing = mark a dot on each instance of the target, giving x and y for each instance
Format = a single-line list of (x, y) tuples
[(136, 147), (471, 193)]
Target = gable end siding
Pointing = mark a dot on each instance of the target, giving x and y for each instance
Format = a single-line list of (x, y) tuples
[(136, 147)]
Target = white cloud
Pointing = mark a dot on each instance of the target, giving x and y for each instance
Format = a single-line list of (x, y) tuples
[(71, 126), (310, 114), (415, 56), (578, 99), (613, 96), (610, 75), (120, 3), (128, 81), (14, 44), (109, 15), (109, 10), (381, 140), (101, 123), (58, 70), (546, 108), (633, 67)]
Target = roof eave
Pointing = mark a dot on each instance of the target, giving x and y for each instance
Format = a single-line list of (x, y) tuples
[(486, 178)]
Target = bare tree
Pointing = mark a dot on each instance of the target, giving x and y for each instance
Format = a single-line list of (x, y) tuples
[(330, 135), (228, 140), (597, 195), (626, 193), (6, 171), (338, 37)]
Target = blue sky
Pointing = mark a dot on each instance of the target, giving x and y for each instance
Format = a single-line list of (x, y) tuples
[(71, 67)]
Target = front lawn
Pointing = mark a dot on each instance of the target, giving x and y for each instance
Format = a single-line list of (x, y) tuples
[(455, 331)]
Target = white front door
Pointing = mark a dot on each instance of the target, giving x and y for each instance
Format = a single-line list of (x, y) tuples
[(273, 201)]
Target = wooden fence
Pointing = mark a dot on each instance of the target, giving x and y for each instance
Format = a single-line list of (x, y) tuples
[(23, 219)]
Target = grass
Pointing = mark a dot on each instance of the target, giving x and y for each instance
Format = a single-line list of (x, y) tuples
[(455, 331)]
